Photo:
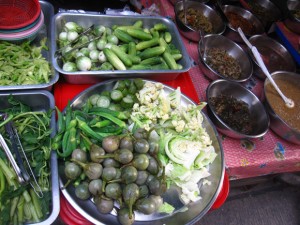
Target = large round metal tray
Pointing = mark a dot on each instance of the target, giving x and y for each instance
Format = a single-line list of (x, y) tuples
[(182, 214)]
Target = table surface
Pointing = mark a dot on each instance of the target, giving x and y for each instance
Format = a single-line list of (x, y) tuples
[(243, 158)]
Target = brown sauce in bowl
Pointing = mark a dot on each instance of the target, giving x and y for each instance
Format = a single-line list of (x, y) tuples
[(237, 20), (291, 89)]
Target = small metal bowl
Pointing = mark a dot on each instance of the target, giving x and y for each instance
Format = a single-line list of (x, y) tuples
[(277, 124), (218, 26), (232, 33), (292, 22), (233, 49), (265, 10), (259, 116), (275, 55)]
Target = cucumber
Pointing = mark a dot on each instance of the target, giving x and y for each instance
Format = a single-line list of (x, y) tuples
[(121, 55), (168, 37), (163, 43), (161, 66), (147, 44), (170, 60), (135, 59), (139, 34), (138, 23), (160, 27), (154, 33), (177, 56), (124, 47), (151, 52), (141, 67), (131, 49), (123, 36), (113, 59), (152, 61), (125, 27)]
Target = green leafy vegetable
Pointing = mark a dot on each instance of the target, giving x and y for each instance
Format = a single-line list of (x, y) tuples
[(23, 64)]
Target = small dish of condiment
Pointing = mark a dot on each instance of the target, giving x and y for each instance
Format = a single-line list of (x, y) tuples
[(285, 121), (199, 16), (240, 17), (275, 56), (222, 58), (235, 110), (265, 10)]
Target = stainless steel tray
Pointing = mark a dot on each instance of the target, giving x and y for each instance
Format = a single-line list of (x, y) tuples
[(195, 210), (46, 30), (40, 100), (87, 20)]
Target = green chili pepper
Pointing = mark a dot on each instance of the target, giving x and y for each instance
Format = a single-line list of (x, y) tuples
[(61, 125), (69, 143), (68, 114), (56, 141)]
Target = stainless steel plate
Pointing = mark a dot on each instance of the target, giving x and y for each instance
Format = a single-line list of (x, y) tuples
[(194, 210)]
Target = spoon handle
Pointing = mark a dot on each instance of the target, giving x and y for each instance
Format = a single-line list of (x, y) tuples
[(265, 70), (244, 38)]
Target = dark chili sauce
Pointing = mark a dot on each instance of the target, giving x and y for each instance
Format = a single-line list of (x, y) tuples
[(235, 113)]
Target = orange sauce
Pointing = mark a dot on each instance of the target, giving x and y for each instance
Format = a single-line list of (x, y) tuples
[(290, 89)]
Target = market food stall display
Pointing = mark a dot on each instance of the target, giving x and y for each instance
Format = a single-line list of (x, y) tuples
[(133, 140)]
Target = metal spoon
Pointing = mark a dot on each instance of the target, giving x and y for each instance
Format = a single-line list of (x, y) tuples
[(288, 102), (184, 10), (202, 44)]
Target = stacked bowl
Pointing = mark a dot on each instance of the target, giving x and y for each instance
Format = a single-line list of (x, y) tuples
[(20, 20)]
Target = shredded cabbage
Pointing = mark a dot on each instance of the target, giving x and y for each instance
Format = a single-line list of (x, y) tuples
[(185, 148)]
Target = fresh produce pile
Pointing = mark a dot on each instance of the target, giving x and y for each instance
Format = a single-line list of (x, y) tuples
[(23, 64), (19, 203), (130, 47), (126, 146)]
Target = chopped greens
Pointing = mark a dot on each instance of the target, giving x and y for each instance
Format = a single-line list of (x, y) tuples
[(23, 64)]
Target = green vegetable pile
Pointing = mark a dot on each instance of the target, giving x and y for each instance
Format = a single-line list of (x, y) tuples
[(126, 146), (23, 64), (20, 204), (130, 47)]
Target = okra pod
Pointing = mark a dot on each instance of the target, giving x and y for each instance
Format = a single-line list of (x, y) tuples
[(88, 131)]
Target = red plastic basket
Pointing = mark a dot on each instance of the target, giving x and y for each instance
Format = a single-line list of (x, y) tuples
[(17, 14)]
